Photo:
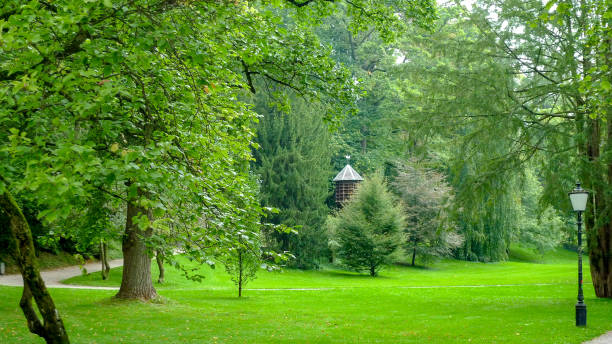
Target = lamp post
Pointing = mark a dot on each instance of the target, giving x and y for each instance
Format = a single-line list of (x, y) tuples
[(579, 197)]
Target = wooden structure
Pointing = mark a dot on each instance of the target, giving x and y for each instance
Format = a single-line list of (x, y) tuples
[(346, 182)]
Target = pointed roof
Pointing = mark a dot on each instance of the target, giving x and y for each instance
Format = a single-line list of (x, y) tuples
[(347, 173)]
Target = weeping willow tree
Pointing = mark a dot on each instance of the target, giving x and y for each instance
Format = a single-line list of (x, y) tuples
[(487, 217), (458, 102)]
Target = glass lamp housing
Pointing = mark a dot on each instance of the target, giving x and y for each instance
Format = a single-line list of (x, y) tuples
[(579, 197)]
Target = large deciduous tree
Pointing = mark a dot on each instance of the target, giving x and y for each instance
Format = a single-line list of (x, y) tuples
[(427, 200), (99, 97), (139, 100), (562, 103)]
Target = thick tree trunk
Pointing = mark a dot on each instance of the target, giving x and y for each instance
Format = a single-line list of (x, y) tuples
[(52, 327), (599, 216), (136, 282), (159, 258), (600, 230), (414, 254), (104, 260), (372, 271), (600, 260), (352, 46), (597, 177)]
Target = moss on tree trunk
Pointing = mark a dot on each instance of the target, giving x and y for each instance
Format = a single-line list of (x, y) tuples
[(51, 328)]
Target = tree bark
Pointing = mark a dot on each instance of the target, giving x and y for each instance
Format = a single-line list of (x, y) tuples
[(106, 264), (351, 45), (159, 258), (373, 271), (596, 174), (104, 259), (599, 228), (240, 268), (136, 281), (598, 178), (51, 328), (599, 216)]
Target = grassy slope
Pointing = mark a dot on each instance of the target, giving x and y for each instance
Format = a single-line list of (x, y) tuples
[(358, 309)]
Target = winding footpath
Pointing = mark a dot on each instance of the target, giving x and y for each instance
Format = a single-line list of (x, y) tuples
[(54, 278)]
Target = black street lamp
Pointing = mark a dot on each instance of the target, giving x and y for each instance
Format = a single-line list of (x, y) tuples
[(579, 197)]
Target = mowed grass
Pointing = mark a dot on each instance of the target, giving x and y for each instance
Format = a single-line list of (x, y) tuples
[(451, 302)]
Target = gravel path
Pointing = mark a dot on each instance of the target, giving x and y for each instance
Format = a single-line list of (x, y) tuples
[(605, 338), (53, 278)]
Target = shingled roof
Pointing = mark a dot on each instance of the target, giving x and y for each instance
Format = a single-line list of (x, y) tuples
[(347, 173)]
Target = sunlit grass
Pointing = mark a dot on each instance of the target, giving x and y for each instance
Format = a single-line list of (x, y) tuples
[(536, 305)]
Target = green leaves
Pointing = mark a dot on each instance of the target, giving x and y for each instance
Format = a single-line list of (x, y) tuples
[(144, 102)]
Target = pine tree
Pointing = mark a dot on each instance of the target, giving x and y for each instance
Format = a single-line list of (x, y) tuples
[(367, 229), (293, 164)]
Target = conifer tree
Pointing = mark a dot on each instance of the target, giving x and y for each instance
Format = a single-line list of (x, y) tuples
[(367, 228), (293, 164)]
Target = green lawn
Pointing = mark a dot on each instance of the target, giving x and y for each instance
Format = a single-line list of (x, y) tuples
[(403, 305)]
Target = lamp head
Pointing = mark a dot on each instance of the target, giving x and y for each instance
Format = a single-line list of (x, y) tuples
[(579, 197)]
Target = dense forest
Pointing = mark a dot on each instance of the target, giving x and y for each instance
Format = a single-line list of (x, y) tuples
[(215, 128), (474, 102)]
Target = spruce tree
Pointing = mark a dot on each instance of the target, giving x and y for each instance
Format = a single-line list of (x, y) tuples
[(293, 164), (367, 228)]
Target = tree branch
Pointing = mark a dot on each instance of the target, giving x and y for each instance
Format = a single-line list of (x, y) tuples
[(304, 3), (248, 76)]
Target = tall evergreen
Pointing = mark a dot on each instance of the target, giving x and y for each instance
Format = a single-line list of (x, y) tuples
[(366, 231), (293, 164)]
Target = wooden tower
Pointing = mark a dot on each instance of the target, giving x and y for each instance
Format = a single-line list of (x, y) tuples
[(346, 182)]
